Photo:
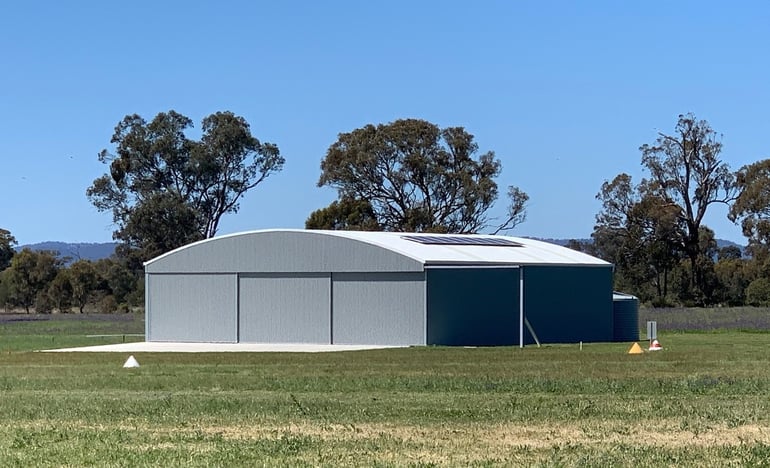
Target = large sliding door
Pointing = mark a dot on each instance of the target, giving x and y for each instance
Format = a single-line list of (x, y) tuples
[(379, 308), (473, 306), (568, 304), (278, 308), (192, 307)]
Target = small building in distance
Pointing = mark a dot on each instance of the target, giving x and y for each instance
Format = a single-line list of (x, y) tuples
[(379, 288)]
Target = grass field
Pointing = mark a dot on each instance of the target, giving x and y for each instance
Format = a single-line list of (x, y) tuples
[(702, 401)]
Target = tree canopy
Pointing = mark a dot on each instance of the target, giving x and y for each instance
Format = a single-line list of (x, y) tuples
[(165, 190), (752, 206), (346, 214), (409, 175), (640, 233), (29, 276), (7, 243)]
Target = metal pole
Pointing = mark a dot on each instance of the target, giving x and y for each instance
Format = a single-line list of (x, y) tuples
[(521, 307)]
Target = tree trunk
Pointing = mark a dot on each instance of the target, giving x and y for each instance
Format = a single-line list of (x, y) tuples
[(692, 248)]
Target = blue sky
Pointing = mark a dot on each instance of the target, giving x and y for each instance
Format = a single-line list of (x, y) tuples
[(563, 92)]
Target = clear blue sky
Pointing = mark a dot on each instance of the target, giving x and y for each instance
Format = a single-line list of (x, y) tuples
[(563, 92)]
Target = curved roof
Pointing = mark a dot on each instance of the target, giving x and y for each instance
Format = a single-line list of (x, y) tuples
[(530, 251), (300, 250)]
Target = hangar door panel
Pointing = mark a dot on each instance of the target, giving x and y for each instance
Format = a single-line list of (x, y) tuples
[(192, 308), (379, 308), (567, 304), (473, 306), (284, 309)]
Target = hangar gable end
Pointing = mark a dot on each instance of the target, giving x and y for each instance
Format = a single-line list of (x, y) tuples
[(282, 251)]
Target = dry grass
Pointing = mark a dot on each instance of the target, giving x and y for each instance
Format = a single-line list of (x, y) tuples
[(442, 444), (496, 437)]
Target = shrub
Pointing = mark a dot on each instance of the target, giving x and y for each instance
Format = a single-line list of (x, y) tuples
[(43, 304), (758, 292), (107, 304)]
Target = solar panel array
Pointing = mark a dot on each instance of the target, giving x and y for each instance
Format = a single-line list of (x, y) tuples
[(463, 240)]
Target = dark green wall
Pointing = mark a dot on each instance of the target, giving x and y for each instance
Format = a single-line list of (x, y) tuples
[(567, 304), (625, 319), (480, 307), (473, 306)]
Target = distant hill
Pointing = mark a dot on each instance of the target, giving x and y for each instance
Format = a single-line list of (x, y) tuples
[(726, 243), (75, 251), (562, 242)]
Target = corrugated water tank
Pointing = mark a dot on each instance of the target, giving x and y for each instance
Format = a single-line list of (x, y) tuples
[(625, 317)]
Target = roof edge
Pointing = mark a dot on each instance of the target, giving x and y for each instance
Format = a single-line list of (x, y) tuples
[(292, 230), (211, 239)]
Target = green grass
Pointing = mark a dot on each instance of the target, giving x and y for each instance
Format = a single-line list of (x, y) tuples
[(36, 332), (702, 401)]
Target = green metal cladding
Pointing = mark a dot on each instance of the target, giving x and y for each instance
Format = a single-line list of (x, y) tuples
[(568, 304), (480, 307), (473, 307), (625, 315)]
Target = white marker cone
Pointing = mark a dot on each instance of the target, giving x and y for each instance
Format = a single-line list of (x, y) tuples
[(131, 362)]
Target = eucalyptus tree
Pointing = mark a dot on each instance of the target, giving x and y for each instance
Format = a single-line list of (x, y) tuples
[(7, 251), (345, 214), (165, 189), (640, 233), (689, 175), (30, 274), (410, 175), (752, 206), (83, 280)]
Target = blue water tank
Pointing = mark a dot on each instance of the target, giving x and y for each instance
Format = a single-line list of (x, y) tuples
[(625, 317)]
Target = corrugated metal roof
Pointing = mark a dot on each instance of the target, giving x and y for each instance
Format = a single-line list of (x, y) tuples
[(531, 252)]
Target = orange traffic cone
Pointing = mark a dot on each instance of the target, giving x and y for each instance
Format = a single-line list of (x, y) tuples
[(635, 349), (655, 346)]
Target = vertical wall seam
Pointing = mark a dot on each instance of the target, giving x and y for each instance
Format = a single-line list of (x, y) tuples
[(521, 307), (147, 308), (237, 307), (331, 307), (425, 306)]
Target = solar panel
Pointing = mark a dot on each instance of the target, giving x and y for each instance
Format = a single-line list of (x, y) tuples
[(462, 240)]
